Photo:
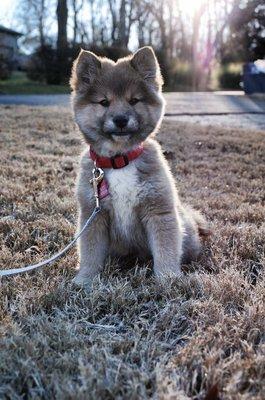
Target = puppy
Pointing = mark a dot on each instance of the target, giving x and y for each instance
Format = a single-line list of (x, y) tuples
[(118, 108)]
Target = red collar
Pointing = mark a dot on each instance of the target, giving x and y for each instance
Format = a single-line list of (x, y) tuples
[(118, 161)]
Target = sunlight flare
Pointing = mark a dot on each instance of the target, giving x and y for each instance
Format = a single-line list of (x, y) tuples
[(190, 6)]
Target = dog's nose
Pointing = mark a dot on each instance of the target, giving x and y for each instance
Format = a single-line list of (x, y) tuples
[(120, 121)]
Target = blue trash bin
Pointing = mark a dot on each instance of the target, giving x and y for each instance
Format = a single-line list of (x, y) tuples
[(253, 79)]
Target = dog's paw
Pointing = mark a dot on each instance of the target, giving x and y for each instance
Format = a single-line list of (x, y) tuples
[(83, 281), (165, 272), (165, 279)]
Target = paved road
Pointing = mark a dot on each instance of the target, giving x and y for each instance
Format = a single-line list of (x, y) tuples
[(36, 99), (222, 108)]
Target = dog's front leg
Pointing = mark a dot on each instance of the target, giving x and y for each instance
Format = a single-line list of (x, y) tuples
[(165, 238), (93, 248)]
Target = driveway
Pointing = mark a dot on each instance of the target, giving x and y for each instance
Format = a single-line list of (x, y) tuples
[(36, 99), (217, 108), (221, 108)]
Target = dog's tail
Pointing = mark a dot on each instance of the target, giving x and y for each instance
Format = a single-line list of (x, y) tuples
[(202, 225)]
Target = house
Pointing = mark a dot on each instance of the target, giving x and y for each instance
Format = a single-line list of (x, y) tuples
[(9, 52)]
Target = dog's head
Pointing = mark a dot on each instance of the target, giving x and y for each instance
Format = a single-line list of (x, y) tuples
[(117, 105)]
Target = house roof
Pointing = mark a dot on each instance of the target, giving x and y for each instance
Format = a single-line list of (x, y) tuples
[(3, 29)]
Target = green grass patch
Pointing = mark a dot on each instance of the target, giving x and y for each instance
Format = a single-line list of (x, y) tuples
[(19, 83)]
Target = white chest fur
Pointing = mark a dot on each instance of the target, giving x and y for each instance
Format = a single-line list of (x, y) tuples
[(124, 188)]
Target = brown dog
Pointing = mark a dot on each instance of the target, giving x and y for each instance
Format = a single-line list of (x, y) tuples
[(117, 107)]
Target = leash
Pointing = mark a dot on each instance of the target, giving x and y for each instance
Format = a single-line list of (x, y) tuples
[(98, 175)]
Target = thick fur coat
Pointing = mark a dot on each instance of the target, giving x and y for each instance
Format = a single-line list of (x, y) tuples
[(117, 106)]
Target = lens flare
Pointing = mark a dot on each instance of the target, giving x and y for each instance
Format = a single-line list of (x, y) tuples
[(189, 7)]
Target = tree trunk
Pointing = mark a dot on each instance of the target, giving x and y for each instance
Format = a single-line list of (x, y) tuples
[(62, 14), (75, 10), (41, 24), (114, 24), (121, 41), (195, 39), (141, 41), (194, 52), (183, 41), (93, 24)]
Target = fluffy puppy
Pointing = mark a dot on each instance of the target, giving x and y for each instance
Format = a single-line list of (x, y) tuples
[(118, 108)]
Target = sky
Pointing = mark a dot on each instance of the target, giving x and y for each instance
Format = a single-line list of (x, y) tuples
[(7, 13), (7, 8)]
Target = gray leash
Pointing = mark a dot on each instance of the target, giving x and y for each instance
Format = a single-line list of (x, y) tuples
[(14, 271), (98, 175)]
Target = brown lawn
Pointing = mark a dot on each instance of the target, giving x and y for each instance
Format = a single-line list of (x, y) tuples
[(129, 338)]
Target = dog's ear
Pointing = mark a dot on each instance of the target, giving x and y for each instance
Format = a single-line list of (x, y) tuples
[(145, 63), (85, 68)]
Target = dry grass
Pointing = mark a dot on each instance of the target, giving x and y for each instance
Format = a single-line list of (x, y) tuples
[(199, 338)]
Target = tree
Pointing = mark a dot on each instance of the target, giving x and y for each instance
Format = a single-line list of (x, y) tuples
[(247, 32), (77, 7), (121, 21), (62, 15), (34, 17), (191, 40), (62, 44)]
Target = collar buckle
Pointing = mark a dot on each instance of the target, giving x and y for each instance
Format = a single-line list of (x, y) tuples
[(119, 161)]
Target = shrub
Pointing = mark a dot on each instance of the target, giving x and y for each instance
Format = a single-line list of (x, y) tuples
[(5, 68), (180, 76), (111, 52), (46, 65), (230, 76)]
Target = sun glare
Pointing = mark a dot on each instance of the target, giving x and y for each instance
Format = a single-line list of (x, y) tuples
[(190, 6)]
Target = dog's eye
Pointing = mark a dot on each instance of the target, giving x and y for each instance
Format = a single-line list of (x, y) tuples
[(134, 101), (104, 103)]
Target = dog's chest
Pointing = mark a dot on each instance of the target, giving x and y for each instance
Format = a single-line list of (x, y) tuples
[(124, 189)]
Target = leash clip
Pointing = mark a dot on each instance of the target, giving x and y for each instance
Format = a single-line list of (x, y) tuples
[(98, 175)]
